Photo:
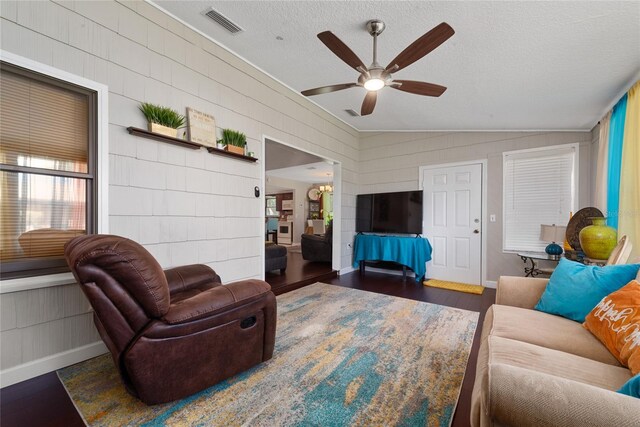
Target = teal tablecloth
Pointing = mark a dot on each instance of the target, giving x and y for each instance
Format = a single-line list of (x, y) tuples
[(413, 252)]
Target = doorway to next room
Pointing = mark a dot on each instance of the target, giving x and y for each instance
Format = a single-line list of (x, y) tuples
[(299, 215)]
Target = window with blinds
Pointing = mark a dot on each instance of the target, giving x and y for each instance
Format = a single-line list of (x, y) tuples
[(47, 170), (540, 186)]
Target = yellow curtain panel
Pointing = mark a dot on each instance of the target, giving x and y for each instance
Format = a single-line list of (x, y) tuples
[(629, 213)]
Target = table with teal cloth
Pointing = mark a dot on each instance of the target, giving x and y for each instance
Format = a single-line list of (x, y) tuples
[(412, 252)]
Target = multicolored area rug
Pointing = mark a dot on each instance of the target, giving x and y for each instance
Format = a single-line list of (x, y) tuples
[(342, 357)]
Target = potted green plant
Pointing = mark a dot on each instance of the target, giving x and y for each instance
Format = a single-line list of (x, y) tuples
[(235, 141), (162, 120)]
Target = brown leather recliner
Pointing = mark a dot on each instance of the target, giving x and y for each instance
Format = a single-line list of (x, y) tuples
[(175, 332)]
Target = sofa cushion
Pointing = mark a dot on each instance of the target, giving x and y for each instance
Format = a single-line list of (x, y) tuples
[(616, 322), (631, 387), (495, 350), (545, 330), (523, 397), (574, 289), (556, 363)]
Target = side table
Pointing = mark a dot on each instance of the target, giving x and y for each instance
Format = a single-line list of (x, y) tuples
[(533, 270)]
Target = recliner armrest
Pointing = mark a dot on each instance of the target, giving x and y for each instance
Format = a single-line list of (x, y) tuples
[(189, 276), (216, 300)]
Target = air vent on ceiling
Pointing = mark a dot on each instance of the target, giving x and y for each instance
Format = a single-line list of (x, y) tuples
[(352, 113), (223, 20)]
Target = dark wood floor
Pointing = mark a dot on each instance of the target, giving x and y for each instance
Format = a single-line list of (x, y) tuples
[(42, 401), (299, 273)]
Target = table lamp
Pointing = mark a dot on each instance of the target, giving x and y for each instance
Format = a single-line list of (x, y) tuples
[(553, 233)]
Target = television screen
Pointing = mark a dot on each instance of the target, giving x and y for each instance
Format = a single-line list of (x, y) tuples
[(399, 212), (364, 204)]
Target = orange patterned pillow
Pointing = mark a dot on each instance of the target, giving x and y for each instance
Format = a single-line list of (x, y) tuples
[(616, 322)]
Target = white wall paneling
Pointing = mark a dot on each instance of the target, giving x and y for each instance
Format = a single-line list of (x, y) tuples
[(184, 206)]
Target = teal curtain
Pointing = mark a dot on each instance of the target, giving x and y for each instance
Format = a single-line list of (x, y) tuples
[(616, 133)]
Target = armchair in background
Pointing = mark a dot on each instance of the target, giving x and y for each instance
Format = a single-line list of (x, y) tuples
[(318, 248)]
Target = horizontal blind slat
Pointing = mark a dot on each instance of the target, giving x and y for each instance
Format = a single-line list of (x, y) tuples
[(39, 120), (537, 190)]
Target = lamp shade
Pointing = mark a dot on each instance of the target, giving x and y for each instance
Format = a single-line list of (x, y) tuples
[(552, 233)]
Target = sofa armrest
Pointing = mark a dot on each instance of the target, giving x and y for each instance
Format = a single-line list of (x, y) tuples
[(216, 300), (524, 292), (522, 397), (189, 276)]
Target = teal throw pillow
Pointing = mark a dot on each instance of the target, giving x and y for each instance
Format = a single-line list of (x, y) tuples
[(631, 387), (574, 289)]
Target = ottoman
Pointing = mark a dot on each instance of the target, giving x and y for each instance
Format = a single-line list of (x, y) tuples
[(275, 257)]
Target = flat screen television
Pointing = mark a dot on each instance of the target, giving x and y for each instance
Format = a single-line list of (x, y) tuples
[(399, 212)]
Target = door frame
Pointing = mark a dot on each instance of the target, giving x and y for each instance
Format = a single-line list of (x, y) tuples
[(337, 200), (483, 195)]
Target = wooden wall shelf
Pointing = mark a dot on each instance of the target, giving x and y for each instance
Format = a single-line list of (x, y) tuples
[(186, 144), (163, 138), (213, 150)]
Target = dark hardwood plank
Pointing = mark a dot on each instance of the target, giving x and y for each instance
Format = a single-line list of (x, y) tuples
[(42, 401), (299, 273)]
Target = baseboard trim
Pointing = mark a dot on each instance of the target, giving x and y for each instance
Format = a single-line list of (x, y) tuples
[(346, 270), (47, 364), (490, 284)]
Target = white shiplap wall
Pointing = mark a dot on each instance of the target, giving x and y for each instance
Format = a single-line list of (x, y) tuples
[(184, 206), (390, 162)]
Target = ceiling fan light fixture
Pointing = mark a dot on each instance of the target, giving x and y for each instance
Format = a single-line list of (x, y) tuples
[(375, 77), (374, 84)]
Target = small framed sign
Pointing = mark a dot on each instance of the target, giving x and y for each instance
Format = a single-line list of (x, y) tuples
[(201, 127)]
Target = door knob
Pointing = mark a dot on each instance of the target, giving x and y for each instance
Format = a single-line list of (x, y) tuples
[(476, 231)]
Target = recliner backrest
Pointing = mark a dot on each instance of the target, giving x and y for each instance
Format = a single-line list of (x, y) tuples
[(128, 263), (328, 234)]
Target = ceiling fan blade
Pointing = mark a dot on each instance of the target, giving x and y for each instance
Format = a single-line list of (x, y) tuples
[(419, 88), (341, 50), (327, 89), (369, 103), (419, 48)]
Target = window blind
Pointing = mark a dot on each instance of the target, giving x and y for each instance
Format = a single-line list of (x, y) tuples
[(46, 176), (42, 125), (539, 187)]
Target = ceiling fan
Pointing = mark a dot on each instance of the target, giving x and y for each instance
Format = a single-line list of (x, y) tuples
[(375, 77)]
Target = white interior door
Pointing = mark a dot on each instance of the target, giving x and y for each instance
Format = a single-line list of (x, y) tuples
[(452, 221)]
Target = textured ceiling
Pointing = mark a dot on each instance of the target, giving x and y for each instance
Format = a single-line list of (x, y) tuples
[(287, 162), (510, 65), (279, 156), (312, 173)]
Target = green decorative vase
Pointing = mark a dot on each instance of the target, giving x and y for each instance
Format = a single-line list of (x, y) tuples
[(598, 240)]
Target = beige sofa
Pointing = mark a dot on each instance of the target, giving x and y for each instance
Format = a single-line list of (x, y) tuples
[(537, 369)]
